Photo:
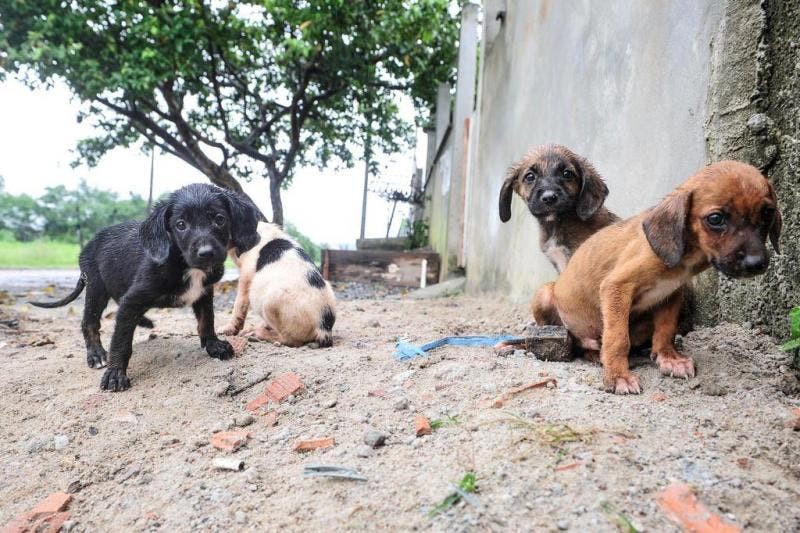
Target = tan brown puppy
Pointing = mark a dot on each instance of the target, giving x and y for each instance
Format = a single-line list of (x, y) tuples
[(624, 283), (564, 192), (286, 288)]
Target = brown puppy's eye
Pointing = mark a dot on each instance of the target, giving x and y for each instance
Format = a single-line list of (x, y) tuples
[(220, 220), (529, 176), (180, 225), (568, 174), (716, 221)]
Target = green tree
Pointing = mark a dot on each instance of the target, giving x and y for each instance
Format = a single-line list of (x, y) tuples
[(76, 215), (238, 88)]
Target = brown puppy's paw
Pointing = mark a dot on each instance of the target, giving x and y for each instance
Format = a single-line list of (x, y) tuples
[(627, 384), (115, 380), (671, 363)]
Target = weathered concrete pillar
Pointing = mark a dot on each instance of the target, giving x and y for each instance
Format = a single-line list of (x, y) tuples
[(465, 99), (442, 113)]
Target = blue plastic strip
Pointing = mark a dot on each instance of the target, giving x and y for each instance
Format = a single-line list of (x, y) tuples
[(405, 350)]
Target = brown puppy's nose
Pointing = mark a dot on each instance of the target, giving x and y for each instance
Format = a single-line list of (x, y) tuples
[(754, 262), (548, 197)]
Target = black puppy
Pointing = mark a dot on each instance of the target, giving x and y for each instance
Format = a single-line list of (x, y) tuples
[(565, 194), (171, 259)]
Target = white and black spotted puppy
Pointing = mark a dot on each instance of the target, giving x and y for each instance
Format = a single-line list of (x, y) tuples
[(280, 281)]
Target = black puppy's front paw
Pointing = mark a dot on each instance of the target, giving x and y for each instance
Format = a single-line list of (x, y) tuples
[(115, 380), (96, 357), (218, 349)]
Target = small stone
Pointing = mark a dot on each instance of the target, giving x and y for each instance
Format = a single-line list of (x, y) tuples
[(93, 431), (330, 402), (401, 404), (221, 388), (759, 123), (243, 420), (364, 451), (374, 324), (736, 483), (562, 525), (375, 438), (241, 517), (313, 345), (251, 474)]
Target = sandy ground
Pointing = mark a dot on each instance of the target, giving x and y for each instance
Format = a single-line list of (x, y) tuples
[(549, 459)]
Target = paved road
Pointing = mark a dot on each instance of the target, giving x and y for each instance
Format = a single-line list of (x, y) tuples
[(26, 279)]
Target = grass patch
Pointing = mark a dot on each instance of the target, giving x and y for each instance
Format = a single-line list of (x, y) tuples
[(38, 254), (47, 254), (619, 518), (552, 434), (468, 485)]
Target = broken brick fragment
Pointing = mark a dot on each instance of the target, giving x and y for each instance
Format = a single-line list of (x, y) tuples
[(658, 397), (422, 426), (682, 507), (271, 419), (277, 390), (46, 517), (229, 440), (377, 393), (314, 444)]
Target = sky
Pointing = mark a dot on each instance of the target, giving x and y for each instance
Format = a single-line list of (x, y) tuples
[(38, 132)]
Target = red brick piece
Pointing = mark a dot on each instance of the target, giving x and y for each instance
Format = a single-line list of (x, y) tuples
[(682, 507), (314, 444), (44, 518), (422, 426), (284, 386), (271, 419), (229, 440), (277, 390)]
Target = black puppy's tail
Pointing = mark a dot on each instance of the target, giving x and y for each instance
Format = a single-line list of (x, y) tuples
[(64, 301)]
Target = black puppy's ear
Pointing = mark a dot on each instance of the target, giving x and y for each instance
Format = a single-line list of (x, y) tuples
[(154, 233), (506, 192), (244, 216), (665, 227), (593, 190), (777, 222)]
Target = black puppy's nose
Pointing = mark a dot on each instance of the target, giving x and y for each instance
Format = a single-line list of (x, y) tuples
[(205, 252), (548, 197), (754, 262)]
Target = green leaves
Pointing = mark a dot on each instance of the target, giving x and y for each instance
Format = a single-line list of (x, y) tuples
[(794, 331), (469, 484), (236, 88)]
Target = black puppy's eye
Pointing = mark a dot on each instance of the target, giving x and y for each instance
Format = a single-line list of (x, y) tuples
[(180, 225), (529, 176), (220, 220), (767, 215), (568, 174), (716, 221)]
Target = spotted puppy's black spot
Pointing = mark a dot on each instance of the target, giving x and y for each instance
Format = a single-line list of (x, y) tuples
[(302, 253), (314, 279), (328, 319), (272, 251)]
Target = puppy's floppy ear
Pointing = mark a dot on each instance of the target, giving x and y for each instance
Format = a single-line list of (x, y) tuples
[(665, 227), (777, 222), (154, 233), (593, 190), (244, 220), (506, 192)]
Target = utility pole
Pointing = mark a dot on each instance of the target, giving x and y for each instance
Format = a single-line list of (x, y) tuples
[(367, 164), (152, 161)]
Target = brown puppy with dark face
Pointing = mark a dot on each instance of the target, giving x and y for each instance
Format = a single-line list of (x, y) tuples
[(565, 194), (624, 283)]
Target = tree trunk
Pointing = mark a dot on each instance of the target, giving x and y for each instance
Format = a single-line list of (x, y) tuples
[(223, 178), (275, 199)]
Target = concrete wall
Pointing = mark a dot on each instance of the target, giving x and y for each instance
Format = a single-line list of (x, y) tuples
[(754, 105), (623, 83)]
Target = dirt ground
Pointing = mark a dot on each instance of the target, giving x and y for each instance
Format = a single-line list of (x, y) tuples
[(570, 457)]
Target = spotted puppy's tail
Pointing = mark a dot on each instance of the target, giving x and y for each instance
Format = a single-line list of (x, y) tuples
[(64, 301), (325, 329)]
